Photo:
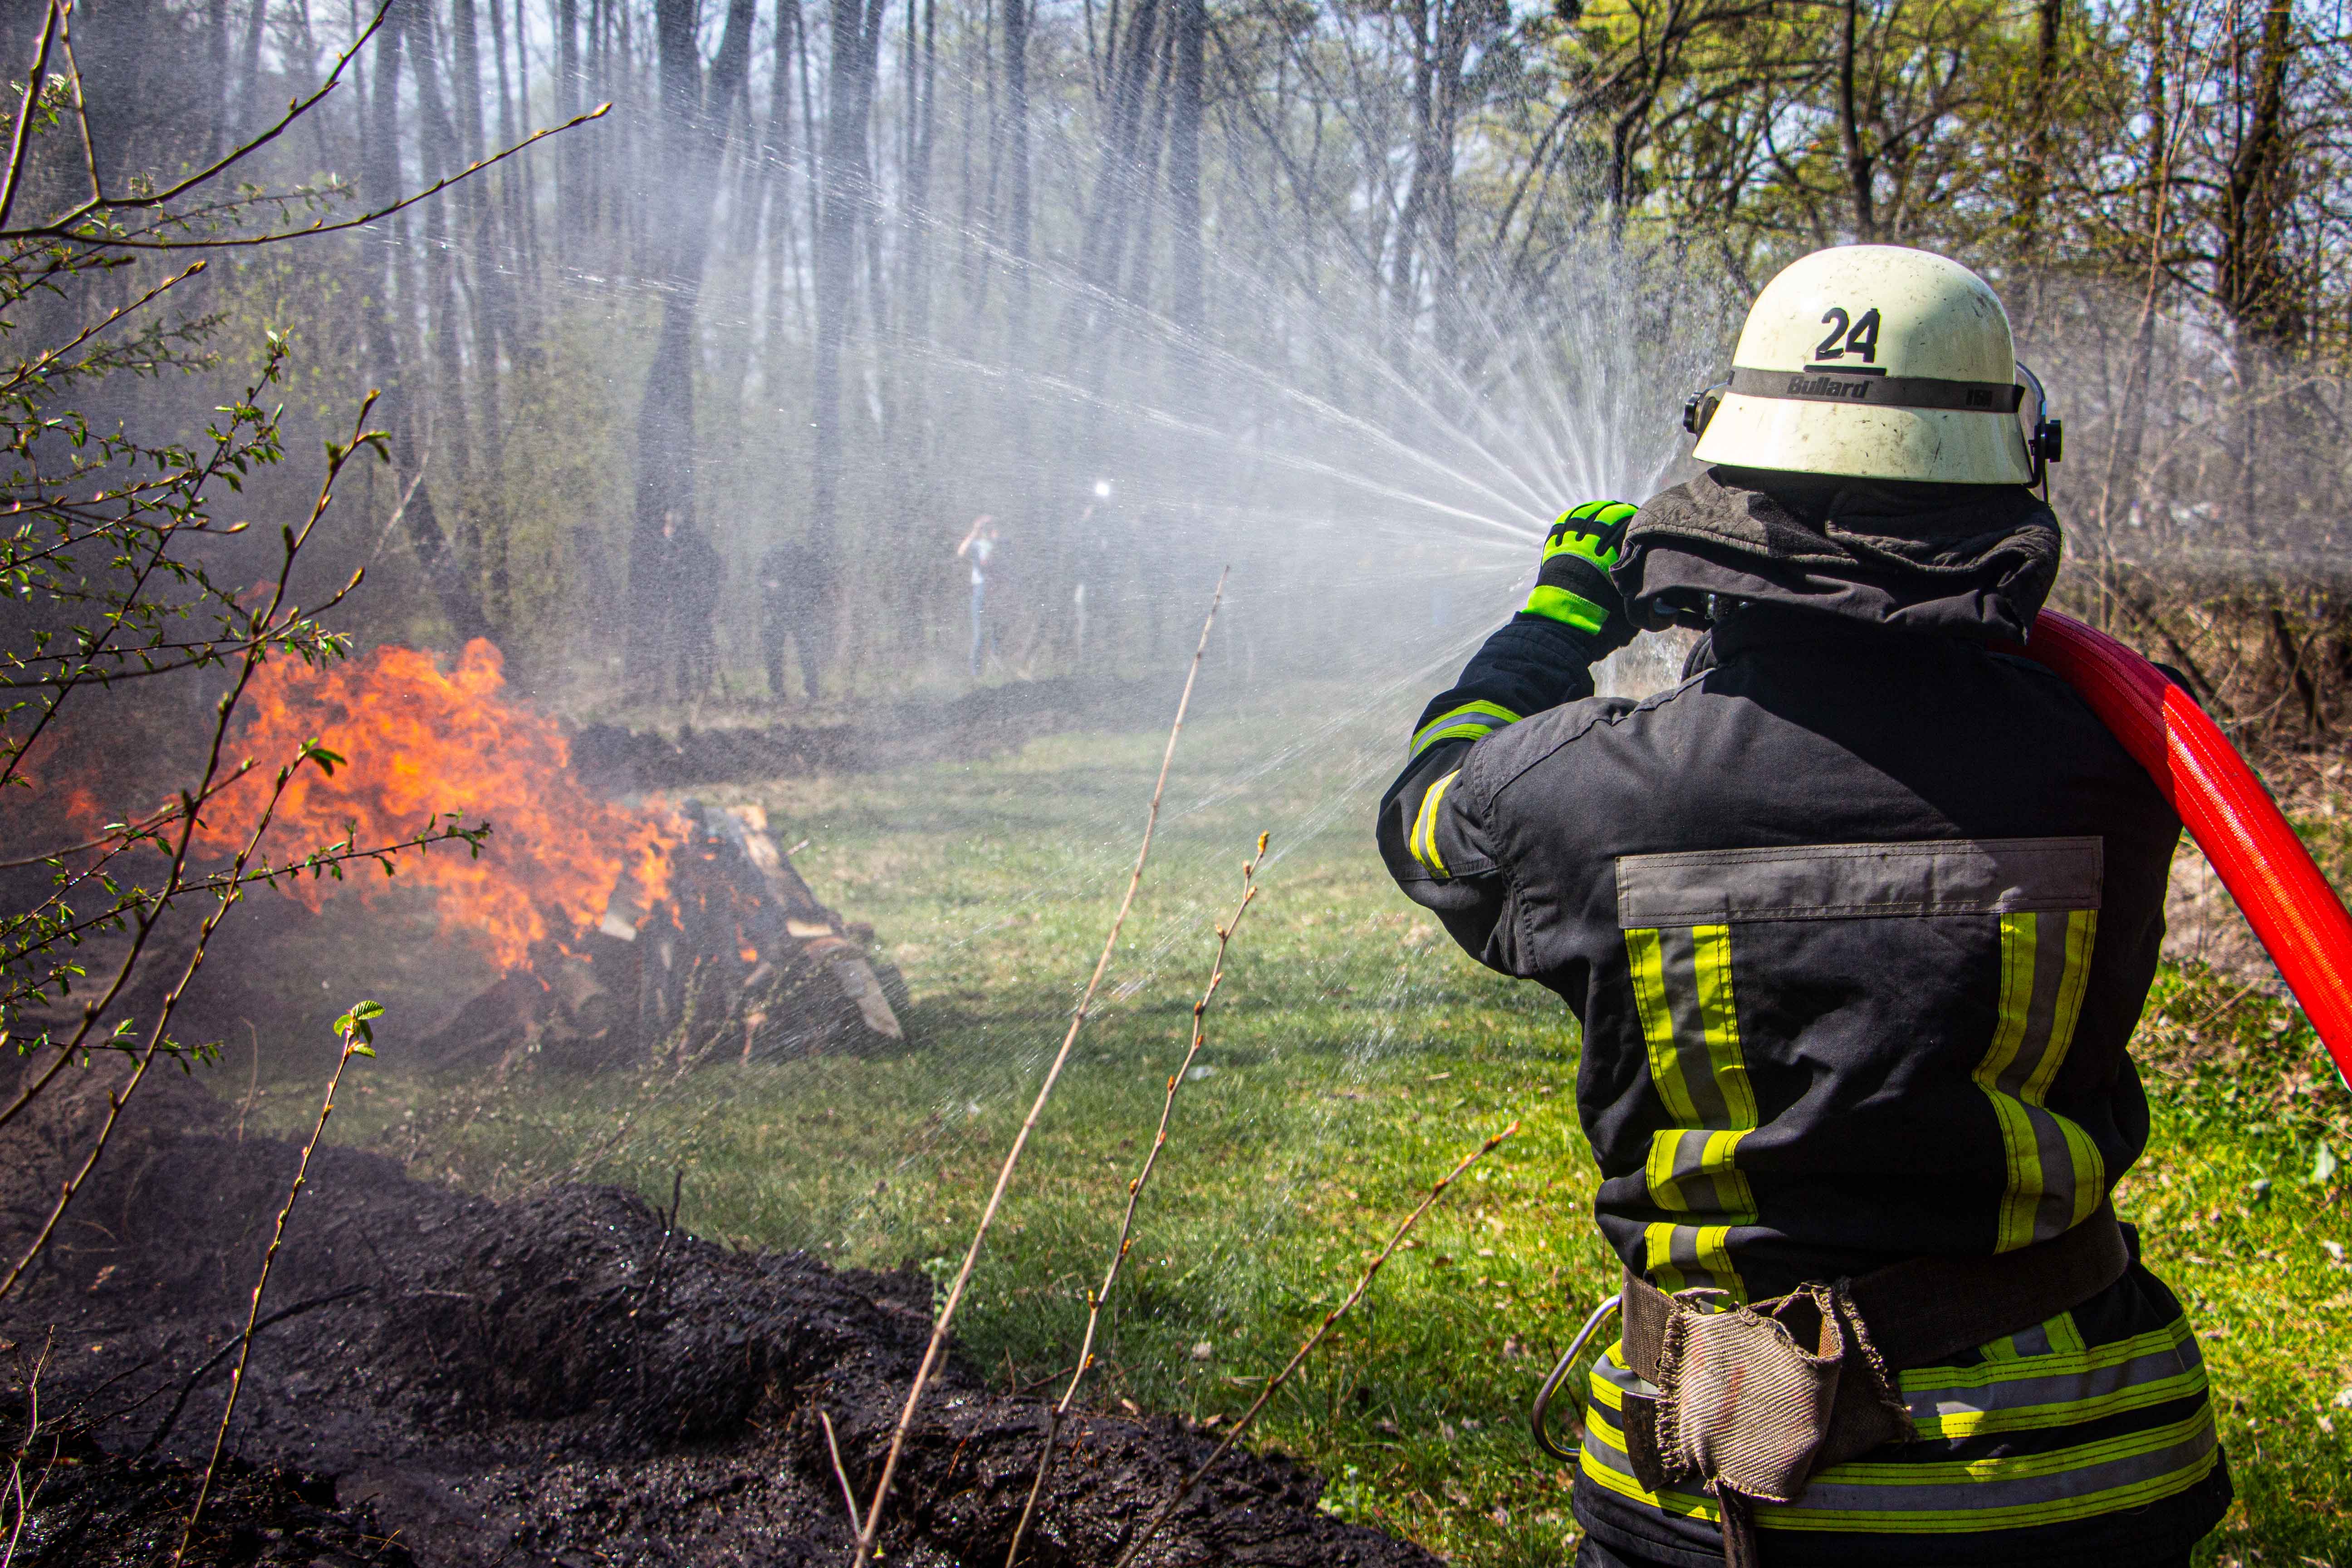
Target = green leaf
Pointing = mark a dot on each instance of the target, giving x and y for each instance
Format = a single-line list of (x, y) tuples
[(364, 1050)]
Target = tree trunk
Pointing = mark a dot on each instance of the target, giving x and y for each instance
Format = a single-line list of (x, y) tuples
[(2257, 284), (437, 142), (915, 494), (217, 78), (1184, 258), (466, 85), (256, 105), (493, 316), (1016, 119), (570, 156), (2124, 469), (771, 185), (517, 292), (1859, 171), (1119, 185), (1454, 46), (1404, 304), (670, 599), (924, 88), (847, 194), (2033, 177), (1152, 138), (444, 575)]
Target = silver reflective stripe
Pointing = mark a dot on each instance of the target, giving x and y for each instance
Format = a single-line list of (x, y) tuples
[(2150, 1456), (2132, 1384), (1856, 881), (2063, 1389)]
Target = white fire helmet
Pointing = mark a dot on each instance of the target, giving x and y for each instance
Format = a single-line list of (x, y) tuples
[(1879, 362)]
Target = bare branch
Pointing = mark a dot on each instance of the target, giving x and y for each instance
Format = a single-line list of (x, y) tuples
[(34, 78), (1125, 1240), (1274, 1383), (356, 1036), (931, 1352), (322, 226), (295, 109)]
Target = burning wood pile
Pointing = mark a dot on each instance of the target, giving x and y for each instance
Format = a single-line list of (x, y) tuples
[(625, 929), (739, 950)]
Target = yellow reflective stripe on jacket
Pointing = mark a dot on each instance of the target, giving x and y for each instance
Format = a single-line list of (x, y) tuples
[(1956, 1382), (1684, 996), (2202, 1456), (1691, 1170), (2060, 1334), (1690, 1256), (1604, 1464), (1471, 721), (1860, 1473), (2055, 1178), (2117, 1401), (1422, 843), (1683, 993), (1905, 1488)]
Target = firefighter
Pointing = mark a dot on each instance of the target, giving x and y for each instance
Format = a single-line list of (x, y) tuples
[(694, 579), (1857, 920), (792, 605)]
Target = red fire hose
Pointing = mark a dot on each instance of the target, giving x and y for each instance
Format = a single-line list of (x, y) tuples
[(2232, 817)]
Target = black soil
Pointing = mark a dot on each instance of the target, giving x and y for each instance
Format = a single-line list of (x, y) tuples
[(557, 1380)]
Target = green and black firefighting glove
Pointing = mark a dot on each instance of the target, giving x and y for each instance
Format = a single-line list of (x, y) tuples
[(1573, 588)]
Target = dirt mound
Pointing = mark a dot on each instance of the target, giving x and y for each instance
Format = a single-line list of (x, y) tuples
[(93, 1509), (562, 1379), (983, 723)]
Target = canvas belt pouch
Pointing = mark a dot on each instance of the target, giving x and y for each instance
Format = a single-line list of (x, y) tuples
[(1755, 1399)]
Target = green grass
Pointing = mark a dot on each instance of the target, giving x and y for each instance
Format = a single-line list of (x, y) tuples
[(1356, 1055)]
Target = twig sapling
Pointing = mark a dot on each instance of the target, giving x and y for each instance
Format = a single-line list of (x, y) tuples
[(20, 1498), (1120, 1247), (932, 1352), (356, 1030), (1273, 1385)]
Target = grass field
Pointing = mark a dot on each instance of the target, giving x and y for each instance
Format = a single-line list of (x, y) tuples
[(1353, 1056)]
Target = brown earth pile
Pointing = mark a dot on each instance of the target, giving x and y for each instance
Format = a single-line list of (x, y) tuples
[(559, 1380)]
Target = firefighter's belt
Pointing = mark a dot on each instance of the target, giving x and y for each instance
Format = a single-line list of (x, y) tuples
[(1754, 1400)]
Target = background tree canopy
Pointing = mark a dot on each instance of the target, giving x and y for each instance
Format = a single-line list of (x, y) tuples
[(1125, 273)]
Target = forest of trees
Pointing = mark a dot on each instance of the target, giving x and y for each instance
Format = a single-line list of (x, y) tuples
[(839, 274)]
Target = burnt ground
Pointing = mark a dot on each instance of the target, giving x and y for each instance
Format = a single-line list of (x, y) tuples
[(557, 1380)]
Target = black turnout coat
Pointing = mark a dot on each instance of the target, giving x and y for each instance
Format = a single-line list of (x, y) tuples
[(1858, 919)]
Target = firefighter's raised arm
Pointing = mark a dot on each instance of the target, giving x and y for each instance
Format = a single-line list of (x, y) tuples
[(1432, 833)]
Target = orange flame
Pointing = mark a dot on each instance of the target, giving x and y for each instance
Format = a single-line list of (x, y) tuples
[(63, 803), (417, 742)]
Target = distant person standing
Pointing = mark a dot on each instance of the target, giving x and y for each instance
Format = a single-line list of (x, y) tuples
[(694, 573), (982, 545), (1094, 560), (791, 598)]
